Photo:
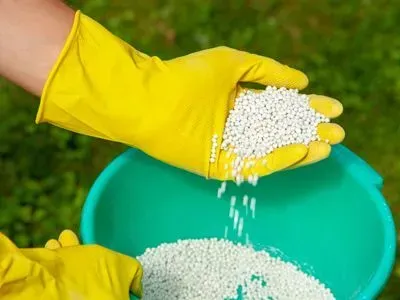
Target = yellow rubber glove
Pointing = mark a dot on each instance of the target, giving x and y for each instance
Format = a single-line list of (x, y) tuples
[(103, 87), (66, 270)]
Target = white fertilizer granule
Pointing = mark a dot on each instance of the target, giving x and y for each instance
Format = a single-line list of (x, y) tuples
[(209, 269)]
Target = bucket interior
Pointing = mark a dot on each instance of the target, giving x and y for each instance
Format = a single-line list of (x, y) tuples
[(318, 217)]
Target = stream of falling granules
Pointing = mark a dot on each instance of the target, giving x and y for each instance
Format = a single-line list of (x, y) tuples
[(259, 123)]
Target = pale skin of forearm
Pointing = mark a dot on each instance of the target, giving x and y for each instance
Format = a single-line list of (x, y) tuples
[(32, 35)]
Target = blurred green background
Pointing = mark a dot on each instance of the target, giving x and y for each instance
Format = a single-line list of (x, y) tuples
[(349, 49)]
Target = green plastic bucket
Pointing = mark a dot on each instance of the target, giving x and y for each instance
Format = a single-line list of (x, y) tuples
[(330, 218)]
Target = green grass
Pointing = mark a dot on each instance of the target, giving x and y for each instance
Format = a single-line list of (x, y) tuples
[(349, 49)]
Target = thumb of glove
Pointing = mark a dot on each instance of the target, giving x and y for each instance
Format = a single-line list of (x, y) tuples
[(267, 71)]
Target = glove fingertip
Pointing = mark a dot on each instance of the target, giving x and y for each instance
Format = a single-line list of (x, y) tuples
[(281, 75), (284, 157), (327, 106), (331, 133), (52, 244), (68, 238), (298, 80), (267, 71), (317, 151)]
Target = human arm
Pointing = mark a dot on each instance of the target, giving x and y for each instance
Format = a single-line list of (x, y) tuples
[(32, 35)]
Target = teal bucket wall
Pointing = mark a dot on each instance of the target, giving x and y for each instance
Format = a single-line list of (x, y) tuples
[(330, 218)]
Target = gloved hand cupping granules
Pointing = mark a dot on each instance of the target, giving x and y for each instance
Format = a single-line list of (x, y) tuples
[(169, 109)]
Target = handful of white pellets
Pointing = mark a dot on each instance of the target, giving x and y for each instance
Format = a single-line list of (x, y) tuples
[(261, 122), (217, 269)]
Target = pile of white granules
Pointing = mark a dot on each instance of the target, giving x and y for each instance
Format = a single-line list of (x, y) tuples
[(211, 269)]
